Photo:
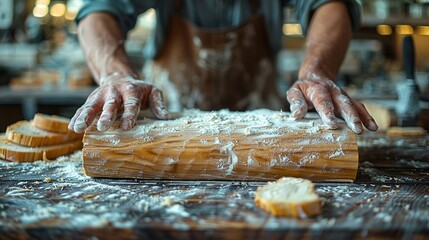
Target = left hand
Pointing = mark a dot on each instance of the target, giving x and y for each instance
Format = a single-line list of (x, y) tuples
[(330, 101)]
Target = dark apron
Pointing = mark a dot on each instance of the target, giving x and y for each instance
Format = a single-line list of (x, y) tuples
[(214, 69)]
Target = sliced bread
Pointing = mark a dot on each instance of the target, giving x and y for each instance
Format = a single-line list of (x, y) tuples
[(51, 123), (289, 197), (25, 133), (18, 153)]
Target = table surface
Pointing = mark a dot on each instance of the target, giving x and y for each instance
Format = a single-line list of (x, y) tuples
[(389, 199)]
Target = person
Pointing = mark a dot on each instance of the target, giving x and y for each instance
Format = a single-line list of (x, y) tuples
[(213, 54)]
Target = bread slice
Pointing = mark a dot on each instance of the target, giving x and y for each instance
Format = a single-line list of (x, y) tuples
[(289, 197), (24, 133), (51, 123), (18, 153)]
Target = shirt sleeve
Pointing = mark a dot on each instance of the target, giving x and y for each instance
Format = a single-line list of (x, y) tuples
[(306, 8), (125, 11)]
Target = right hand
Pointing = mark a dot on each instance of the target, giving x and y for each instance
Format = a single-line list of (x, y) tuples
[(118, 94)]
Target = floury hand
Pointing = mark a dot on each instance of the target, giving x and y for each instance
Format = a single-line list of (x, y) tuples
[(118, 94), (329, 100)]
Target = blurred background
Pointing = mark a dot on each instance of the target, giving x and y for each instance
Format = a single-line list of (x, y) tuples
[(42, 68)]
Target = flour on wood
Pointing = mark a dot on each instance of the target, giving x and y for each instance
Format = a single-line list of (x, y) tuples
[(220, 145)]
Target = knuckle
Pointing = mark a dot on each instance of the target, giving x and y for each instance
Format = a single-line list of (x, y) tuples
[(129, 114), (132, 101), (343, 99), (293, 90), (327, 105), (87, 107), (112, 101), (130, 87), (155, 90)]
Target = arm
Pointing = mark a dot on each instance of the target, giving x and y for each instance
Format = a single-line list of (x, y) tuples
[(328, 36), (120, 90), (102, 41)]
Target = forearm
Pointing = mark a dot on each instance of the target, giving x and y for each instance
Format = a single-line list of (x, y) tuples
[(327, 40), (103, 44)]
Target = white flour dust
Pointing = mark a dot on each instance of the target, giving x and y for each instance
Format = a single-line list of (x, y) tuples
[(260, 129)]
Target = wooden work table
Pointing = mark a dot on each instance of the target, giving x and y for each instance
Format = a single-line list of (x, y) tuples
[(389, 199)]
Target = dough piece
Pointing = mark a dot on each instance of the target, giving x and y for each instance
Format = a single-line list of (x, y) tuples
[(18, 153), (51, 123), (25, 133), (290, 197), (406, 132)]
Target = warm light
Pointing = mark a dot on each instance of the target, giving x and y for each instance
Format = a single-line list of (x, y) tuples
[(58, 10), (423, 30), (384, 30), (40, 11), (43, 2), (70, 15), (404, 29), (292, 29), (73, 7)]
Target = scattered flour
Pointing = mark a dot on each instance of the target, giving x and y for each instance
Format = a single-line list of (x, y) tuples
[(178, 210), (230, 134), (232, 157)]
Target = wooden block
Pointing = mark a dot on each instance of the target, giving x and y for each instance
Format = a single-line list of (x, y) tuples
[(18, 153), (25, 133), (254, 145), (383, 112), (383, 116), (289, 197), (406, 132)]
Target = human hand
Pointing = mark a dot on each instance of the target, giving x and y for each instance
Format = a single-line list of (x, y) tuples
[(329, 101), (118, 94)]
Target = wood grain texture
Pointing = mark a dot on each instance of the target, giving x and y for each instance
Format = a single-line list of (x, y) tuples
[(256, 145)]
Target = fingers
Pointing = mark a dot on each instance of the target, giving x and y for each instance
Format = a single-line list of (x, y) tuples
[(366, 118), (85, 114), (132, 106), (322, 102), (348, 112), (298, 104), (328, 100), (73, 120), (156, 104), (131, 110), (110, 109)]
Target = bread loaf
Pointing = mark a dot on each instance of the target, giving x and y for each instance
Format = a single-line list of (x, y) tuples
[(290, 197), (18, 153), (25, 133)]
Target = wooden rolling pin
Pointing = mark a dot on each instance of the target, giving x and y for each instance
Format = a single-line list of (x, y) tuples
[(256, 145)]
